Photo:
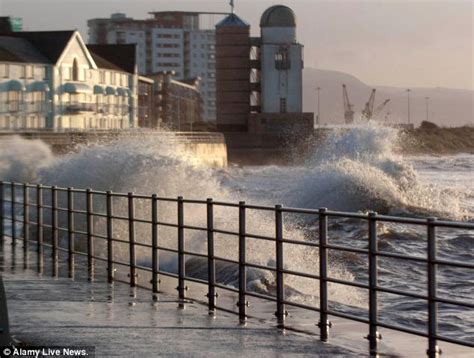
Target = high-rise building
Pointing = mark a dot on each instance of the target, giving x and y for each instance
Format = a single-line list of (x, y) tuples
[(169, 41)]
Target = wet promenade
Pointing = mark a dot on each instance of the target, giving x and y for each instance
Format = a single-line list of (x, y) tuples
[(123, 322)]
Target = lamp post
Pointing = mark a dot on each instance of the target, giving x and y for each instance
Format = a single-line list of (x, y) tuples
[(318, 117), (408, 97), (427, 99)]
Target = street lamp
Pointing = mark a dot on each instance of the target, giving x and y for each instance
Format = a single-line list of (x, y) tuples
[(427, 99), (318, 117), (408, 94)]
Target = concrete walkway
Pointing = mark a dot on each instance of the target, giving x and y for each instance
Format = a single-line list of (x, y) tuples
[(123, 322)]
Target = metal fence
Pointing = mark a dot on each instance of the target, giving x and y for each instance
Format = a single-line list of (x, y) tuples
[(13, 192)]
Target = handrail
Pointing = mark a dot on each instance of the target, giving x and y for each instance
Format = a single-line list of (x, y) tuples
[(31, 214)]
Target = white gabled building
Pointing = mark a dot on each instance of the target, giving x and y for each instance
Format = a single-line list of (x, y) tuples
[(52, 81)]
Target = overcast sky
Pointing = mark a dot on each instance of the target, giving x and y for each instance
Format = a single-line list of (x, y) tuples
[(401, 43)]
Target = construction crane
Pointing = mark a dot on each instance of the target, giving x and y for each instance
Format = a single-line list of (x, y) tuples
[(348, 107), (380, 108), (368, 111)]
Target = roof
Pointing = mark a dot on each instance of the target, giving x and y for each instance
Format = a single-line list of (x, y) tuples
[(19, 50), (121, 57), (232, 20), (51, 44), (278, 16), (103, 63)]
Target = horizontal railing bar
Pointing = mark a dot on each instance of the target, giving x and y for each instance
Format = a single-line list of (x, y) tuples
[(454, 302), (301, 274), (196, 254), (300, 242), (348, 283), (226, 232), (226, 260), (348, 316), (401, 293), (222, 203), (225, 287), (161, 223), (260, 237), (261, 267), (197, 228), (261, 296), (454, 264), (260, 207), (400, 256), (195, 279), (194, 201), (455, 225), (347, 249), (401, 220), (402, 329)]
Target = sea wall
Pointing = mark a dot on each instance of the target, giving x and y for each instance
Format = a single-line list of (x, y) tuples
[(437, 141), (204, 148)]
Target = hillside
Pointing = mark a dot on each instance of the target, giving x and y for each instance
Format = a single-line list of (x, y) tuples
[(448, 107)]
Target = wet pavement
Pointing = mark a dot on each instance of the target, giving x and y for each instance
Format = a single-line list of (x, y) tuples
[(123, 322)]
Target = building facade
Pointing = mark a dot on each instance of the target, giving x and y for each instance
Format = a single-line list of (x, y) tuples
[(260, 79), (52, 81), (171, 41), (177, 104)]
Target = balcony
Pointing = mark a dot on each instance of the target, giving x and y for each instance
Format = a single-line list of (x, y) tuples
[(76, 108)]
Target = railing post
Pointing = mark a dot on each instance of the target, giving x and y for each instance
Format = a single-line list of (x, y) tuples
[(2, 213), (154, 243), (26, 227), (70, 231), (131, 237), (13, 216), (54, 230), (433, 349), (324, 323), (39, 224), (90, 234), (181, 257), (243, 304), (110, 233), (211, 262), (280, 289), (373, 336)]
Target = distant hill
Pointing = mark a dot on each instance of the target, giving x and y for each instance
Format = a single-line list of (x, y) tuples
[(448, 107)]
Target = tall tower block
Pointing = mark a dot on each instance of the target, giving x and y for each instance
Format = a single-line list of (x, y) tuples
[(282, 62), (233, 74)]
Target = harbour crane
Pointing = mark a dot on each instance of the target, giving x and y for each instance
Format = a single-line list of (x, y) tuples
[(348, 107), (380, 108), (368, 111)]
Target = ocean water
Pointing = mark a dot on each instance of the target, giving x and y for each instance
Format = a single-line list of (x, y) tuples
[(357, 170)]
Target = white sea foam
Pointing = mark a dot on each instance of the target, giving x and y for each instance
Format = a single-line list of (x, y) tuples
[(354, 170)]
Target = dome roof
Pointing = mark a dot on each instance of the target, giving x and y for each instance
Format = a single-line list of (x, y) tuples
[(278, 16)]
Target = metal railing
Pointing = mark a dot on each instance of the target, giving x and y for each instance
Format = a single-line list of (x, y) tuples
[(322, 215)]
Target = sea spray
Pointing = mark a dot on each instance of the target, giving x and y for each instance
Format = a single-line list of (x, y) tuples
[(355, 170), (21, 159)]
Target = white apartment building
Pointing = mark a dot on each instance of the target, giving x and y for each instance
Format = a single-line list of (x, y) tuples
[(52, 81), (169, 41)]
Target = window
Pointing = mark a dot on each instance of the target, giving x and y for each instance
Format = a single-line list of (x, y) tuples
[(75, 70), (4, 70), (282, 105), (23, 71), (282, 62), (14, 101), (101, 76), (29, 71)]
